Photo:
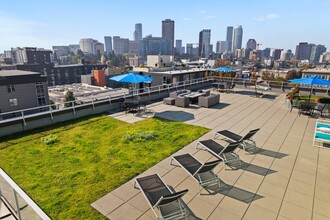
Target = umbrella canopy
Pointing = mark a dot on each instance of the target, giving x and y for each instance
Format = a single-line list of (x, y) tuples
[(131, 78), (223, 69), (313, 80)]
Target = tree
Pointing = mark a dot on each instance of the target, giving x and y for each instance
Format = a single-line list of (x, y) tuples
[(68, 98), (80, 53)]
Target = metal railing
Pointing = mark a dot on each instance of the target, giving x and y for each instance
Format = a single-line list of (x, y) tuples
[(73, 105), (18, 203)]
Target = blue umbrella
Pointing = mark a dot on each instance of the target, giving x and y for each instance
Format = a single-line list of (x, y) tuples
[(313, 80), (131, 78), (223, 69)]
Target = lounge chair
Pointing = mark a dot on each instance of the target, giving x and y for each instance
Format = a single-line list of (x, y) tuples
[(160, 196), (202, 173), (225, 153), (246, 141)]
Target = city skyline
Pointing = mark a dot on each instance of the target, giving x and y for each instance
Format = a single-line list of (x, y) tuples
[(45, 24)]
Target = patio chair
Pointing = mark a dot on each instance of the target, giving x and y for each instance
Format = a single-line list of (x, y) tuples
[(225, 153), (160, 196), (202, 173), (319, 108), (246, 141), (230, 87)]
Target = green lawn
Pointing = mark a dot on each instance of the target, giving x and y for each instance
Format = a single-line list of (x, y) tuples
[(91, 158)]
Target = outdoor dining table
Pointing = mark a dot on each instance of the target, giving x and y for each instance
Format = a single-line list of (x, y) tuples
[(131, 105)]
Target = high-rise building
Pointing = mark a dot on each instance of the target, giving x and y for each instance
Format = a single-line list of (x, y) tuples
[(237, 38), (246, 53), (316, 52), (168, 32), (190, 49), (108, 44), (74, 48), (91, 46), (277, 54), (156, 46), (120, 45), (98, 49), (303, 51), (178, 44), (325, 57), (179, 49), (251, 44), (60, 50), (204, 43), (221, 46), (29, 55), (138, 32), (229, 37), (287, 55), (86, 45), (265, 52)]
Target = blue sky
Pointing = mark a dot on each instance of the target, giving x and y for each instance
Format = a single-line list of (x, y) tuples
[(273, 23)]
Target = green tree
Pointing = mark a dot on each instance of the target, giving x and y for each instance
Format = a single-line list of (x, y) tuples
[(68, 98)]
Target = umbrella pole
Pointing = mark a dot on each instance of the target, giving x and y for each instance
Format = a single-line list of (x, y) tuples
[(310, 93)]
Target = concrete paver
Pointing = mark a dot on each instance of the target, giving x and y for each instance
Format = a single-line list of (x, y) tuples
[(287, 178)]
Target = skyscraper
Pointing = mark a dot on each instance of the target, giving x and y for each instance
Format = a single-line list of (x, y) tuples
[(120, 45), (178, 47), (265, 52), (204, 43), (251, 44), (229, 38), (221, 46), (316, 52), (277, 54), (156, 46), (190, 50), (237, 38), (168, 32), (108, 44), (86, 45), (303, 51), (138, 32)]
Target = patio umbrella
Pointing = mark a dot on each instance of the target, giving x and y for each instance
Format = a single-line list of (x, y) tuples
[(223, 69), (133, 78), (313, 80)]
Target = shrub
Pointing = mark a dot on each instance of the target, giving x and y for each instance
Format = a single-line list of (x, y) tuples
[(325, 100), (294, 93), (50, 139)]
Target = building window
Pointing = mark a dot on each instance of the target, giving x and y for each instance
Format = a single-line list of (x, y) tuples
[(164, 79), (13, 102), (40, 88), (10, 88), (41, 100)]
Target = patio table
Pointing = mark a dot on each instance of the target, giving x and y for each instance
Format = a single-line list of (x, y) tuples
[(194, 96)]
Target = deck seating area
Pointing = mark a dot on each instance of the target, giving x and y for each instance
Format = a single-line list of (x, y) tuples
[(285, 178)]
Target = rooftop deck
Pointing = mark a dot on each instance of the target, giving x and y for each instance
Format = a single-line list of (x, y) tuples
[(287, 179)]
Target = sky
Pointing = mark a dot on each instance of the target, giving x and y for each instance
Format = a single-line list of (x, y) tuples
[(273, 23)]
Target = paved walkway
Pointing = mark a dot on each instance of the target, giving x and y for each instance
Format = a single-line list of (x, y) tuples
[(286, 179)]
